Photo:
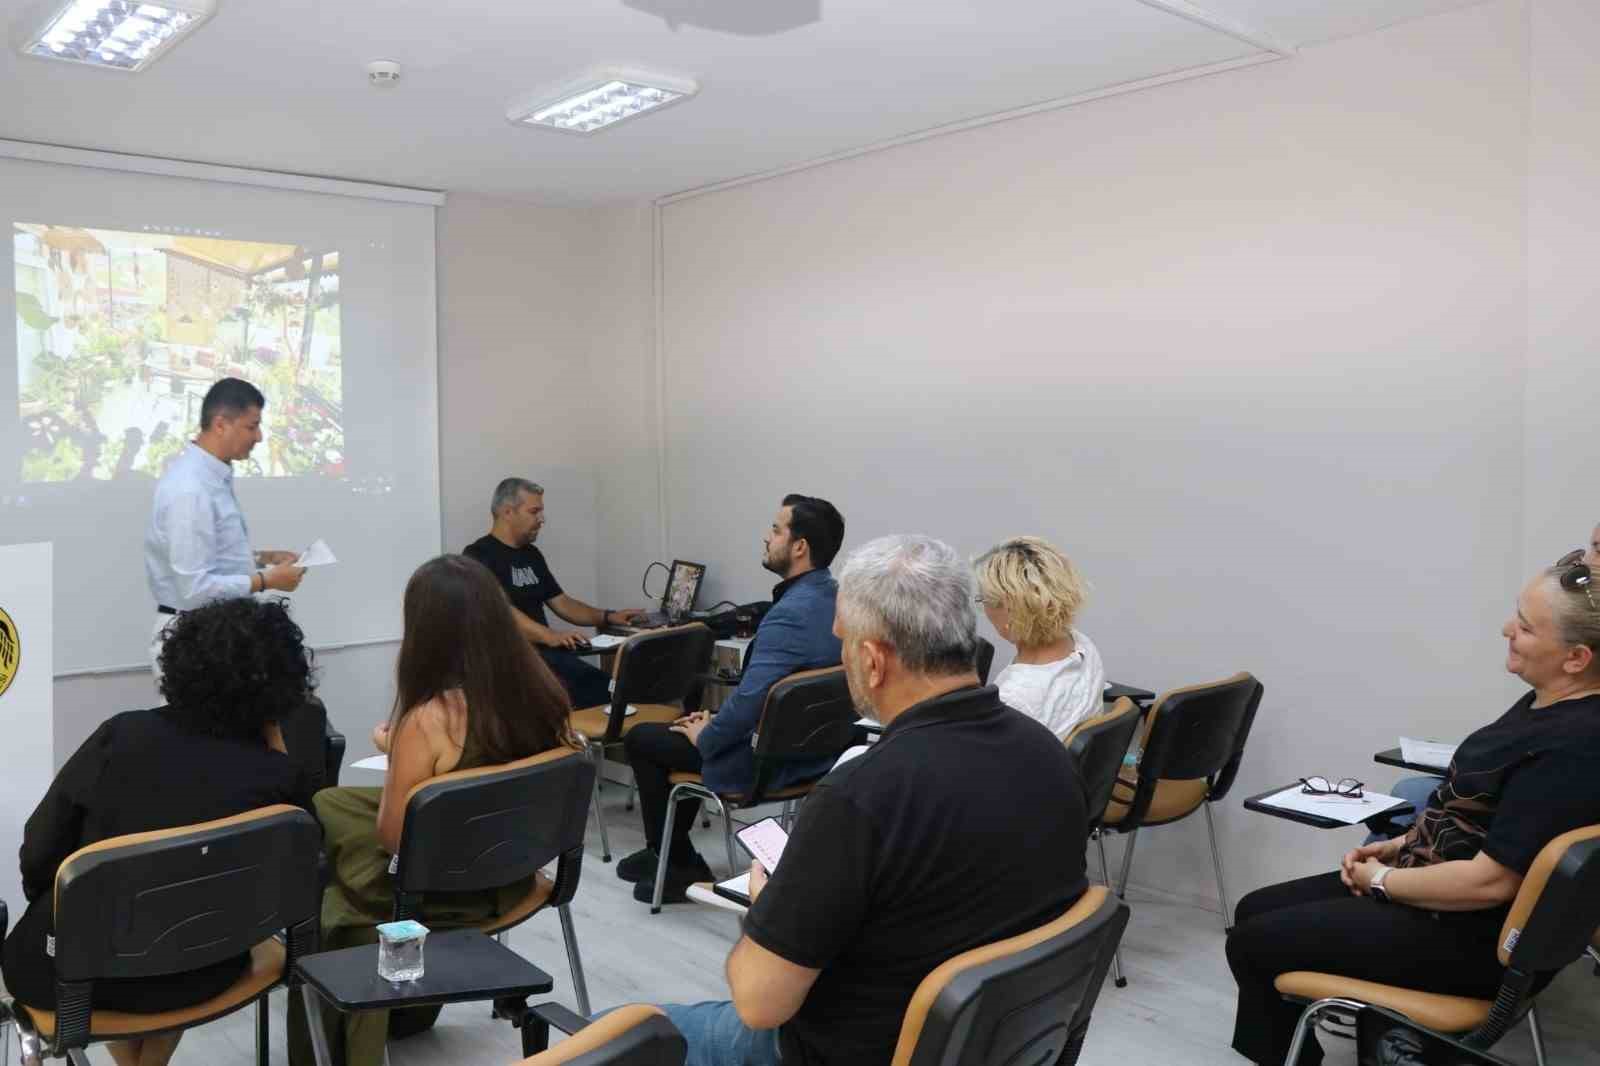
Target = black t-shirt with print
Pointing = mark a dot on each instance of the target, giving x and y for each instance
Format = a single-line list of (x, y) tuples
[(522, 572), (1514, 786)]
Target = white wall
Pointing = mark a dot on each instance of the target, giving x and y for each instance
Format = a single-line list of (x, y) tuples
[(1249, 347)]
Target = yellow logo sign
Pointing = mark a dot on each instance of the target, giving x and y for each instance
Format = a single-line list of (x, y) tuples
[(10, 651)]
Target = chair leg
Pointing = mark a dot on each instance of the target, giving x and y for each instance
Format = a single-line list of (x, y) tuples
[(598, 755), (311, 1000), (78, 1057), (1105, 867), (633, 796), (1216, 861), (1308, 1021), (665, 850), (1117, 976), (1536, 1030), (727, 839), (580, 987), (263, 1035)]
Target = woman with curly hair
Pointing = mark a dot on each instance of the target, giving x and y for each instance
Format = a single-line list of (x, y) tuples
[(230, 671), (470, 691), (1032, 593)]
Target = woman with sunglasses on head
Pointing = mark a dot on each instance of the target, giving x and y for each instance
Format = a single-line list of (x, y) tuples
[(470, 692), (1424, 910), (1031, 593)]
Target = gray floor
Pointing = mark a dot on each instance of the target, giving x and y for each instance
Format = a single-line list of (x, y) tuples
[(1177, 1008)]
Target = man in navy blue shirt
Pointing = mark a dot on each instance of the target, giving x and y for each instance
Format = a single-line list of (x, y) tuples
[(796, 634)]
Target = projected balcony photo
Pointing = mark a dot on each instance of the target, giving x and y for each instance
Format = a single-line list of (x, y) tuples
[(120, 334)]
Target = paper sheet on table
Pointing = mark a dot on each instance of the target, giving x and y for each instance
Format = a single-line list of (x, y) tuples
[(371, 762), (739, 884), (1427, 752), (605, 640), (319, 554), (1339, 808)]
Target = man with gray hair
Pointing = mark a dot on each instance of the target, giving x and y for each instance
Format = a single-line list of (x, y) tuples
[(517, 509), (963, 825)]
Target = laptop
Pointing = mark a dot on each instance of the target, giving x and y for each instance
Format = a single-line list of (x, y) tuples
[(677, 600)]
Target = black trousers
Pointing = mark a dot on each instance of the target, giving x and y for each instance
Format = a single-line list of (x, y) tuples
[(655, 753), (586, 684), (1314, 923)]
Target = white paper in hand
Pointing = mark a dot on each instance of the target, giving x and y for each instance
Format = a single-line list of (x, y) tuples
[(319, 554)]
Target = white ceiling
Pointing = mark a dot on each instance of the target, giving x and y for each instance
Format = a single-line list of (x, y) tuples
[(280, 84)]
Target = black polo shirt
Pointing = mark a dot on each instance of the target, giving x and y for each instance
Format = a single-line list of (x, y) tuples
[(964, 824), (522, 572)]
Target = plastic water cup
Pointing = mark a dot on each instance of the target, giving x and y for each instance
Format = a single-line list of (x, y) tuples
[(400, 950)]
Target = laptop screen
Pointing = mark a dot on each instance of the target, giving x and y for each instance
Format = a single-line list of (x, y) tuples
[(683, 585)]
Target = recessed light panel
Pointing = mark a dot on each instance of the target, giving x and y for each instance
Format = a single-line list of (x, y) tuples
[(600, 100), (117, 34)]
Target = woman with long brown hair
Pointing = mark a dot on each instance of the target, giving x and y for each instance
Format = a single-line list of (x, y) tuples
[(469, 692)]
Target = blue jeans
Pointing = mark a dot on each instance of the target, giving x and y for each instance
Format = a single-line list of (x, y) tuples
[(716, 1036)]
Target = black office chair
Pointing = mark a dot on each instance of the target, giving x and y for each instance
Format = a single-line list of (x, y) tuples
[(471, 830), (1551, 922), (151, 904), (1098, 745), (654, 672), (1026, 999), (1194, 741), (635, 1035), (983, 660), (808, 718)]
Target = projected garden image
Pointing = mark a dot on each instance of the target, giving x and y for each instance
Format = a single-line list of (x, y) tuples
[(120, 334)]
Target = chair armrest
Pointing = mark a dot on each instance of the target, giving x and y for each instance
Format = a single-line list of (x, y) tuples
[(333, 745), (558, 1017)]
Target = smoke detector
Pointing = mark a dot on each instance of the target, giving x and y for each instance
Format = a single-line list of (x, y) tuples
[(383, 73)]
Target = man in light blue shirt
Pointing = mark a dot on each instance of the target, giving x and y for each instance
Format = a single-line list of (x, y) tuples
[(197, 548)]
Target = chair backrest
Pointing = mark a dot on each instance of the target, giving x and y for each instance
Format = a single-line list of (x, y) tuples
[(1098, 745), (1196, 733), (471, 830), (808, 717), (657, 666), (174, 900), (635, 1035), (1557, 909), (984, 660), (1023, 1000)]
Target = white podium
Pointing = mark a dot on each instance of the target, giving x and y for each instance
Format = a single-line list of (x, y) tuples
[(26, 711)]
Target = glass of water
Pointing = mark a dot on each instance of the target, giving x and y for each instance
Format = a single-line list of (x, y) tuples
[(400, 950)]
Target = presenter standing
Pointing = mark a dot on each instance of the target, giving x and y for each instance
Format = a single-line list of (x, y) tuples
[(197, 548)]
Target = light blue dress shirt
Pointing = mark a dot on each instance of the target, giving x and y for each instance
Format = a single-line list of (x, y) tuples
[(197, 548)]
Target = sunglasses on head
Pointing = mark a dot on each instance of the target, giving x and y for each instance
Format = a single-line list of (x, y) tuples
[(1577, 575)]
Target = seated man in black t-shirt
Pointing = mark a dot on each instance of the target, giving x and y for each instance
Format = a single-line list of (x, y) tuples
[(517, 508), (963, 825)]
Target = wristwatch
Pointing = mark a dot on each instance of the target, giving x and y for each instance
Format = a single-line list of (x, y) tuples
[(1375, 886)]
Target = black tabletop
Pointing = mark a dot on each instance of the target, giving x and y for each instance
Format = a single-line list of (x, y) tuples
[(460, 965), (1115, 691), (1254, 803), (1392, 757)]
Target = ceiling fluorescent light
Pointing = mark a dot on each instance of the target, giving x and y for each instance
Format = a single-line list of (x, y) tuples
[(117, 34), (598, 100)]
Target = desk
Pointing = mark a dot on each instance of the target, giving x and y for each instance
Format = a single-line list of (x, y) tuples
[(1392, 757), (701, 893), (1254, 803), (1115, 691)]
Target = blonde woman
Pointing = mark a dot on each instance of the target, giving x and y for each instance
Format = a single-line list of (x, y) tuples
[(1031, 593)]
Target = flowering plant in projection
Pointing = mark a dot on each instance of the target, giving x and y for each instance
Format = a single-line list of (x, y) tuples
[(120, 334)]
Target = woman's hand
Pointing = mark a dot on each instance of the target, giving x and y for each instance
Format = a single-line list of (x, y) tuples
[(380, 737), (758, 880), (1382, 853)]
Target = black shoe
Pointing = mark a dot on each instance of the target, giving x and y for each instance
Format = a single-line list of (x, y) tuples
[(640, 866), (679, 878)]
